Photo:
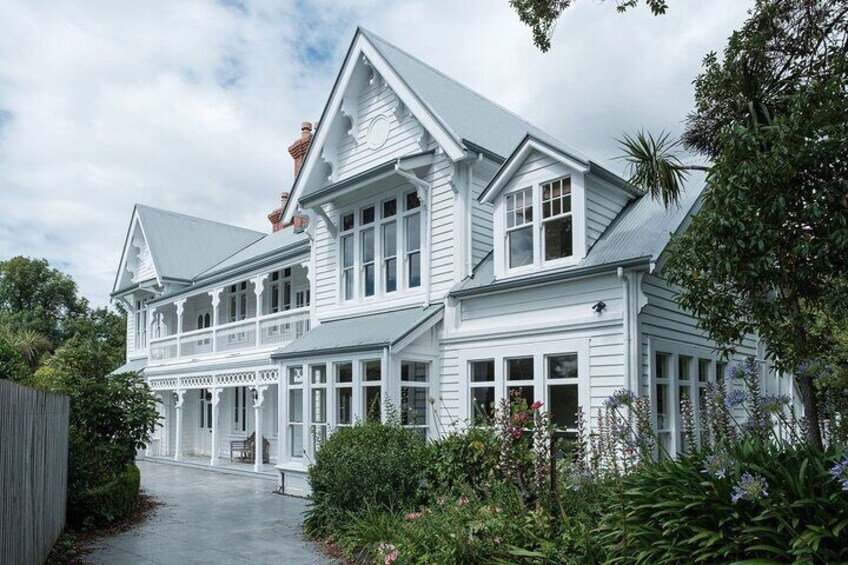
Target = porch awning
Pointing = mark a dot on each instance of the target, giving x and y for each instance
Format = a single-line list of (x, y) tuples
[(134, 365), (361, 333)]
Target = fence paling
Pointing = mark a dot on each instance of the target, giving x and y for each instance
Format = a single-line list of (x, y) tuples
[(33, 471)]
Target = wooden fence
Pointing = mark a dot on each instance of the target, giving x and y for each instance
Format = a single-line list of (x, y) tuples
[(33, 471)]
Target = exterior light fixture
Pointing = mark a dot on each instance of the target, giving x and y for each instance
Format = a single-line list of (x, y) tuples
[(254, 393), (599, 306), (175, 396)]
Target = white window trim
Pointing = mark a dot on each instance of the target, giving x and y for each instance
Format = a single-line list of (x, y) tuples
[(401, 255), (500, 352), (578, 226)]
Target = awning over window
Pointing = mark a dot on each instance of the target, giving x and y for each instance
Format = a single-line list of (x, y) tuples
[(361, 333)]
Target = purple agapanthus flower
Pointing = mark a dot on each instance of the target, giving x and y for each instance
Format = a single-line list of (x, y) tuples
[(750, 487), (716, 465), (773, 404), (735, 398), (621, 397), (840, 472)]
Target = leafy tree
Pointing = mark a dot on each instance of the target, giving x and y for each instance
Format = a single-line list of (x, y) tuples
[(36, 297), (542, 15), (13, 365)]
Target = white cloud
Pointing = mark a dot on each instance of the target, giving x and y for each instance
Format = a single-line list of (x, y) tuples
[(190, 105)]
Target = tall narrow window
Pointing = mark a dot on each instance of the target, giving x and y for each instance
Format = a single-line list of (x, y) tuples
[(367, 252), (240, 410), (344, 394), (318, 405), (557, 225), (563, 391), (662, 402), (295, 428), (519, 227), (482, 382), (412, 236), (347, 252), (519, 376), (414, 395), (390, 256), (141, 324), (274, 305), (371, 391)]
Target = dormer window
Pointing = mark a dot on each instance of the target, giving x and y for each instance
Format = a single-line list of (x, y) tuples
[(534, 239)]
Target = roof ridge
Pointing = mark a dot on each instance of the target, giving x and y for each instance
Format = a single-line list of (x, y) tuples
[(200, 218), (515, 115)]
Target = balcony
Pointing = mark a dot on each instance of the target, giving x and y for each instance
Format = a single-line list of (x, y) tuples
[(266, 332)]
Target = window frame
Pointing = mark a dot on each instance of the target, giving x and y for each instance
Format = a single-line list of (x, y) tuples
[(401, 256)]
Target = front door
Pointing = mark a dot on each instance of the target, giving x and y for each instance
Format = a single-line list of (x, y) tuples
[(204, 432)]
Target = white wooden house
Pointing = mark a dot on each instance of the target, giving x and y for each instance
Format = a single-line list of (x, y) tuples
[(445, 254)]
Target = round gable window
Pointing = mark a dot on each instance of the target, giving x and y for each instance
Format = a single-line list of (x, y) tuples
[(378, 132)]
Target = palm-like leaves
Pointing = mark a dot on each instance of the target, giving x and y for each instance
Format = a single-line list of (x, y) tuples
[(654, 166), (29, 343)]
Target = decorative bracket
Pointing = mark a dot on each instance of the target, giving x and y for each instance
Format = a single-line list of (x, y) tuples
[(215, 295), (422, 187), (423, 139), (179, 398), (216, 396), (331, 227), (259, 285), (260, 395), (330, 155), (180, 306), (400, 110)]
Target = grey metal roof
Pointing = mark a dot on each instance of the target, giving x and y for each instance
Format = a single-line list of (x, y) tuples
[(359, 333), (184, 246), (640, 233), (467, 114), (273, 244), (134, 365)]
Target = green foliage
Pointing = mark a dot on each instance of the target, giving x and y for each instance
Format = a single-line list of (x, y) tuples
[(674, 512), (542, 15), (370, 463), (13, 365), (112, 498), (463, 460)]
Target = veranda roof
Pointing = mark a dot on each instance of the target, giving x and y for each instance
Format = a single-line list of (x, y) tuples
[(361, 333), (133, 365)]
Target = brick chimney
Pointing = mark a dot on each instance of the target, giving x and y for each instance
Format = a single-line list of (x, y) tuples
[(298, 151)]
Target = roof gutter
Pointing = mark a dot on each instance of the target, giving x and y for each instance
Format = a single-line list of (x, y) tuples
[(547, 278)]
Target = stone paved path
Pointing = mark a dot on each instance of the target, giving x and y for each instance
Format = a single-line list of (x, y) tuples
[(211, 517)]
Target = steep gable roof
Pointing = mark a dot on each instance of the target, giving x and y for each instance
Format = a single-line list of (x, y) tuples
[(271, 245), (183, 246)]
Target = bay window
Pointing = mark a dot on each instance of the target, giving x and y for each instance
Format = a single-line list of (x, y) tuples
[(370, 261), (295, 426)]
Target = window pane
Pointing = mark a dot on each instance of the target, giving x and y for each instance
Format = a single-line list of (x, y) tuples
[(389, 208), (562, 367), (367, 251), (661, 364), (662, 407), (389, 239), (563, 405), (347, 251), (684, 367), (482, 404), (318, 405), (296, 440), (296, 405), (558, 238), (367, 215), (414, 371), (391, 275), (368, 276), (344, 404), (319, 374), (519, 369), (412, 201), (413, 232), (482, 371), (347, 222), (371, 371), (372, 400), (521, 247), (348, 284), (721, 368), (413, 406), (296, 375), (344, 373), (414, 270), (519, 393), (703, 370)]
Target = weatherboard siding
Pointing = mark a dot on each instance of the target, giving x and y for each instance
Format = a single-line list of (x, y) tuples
[(603, 204), (482, 230), (354, 154)]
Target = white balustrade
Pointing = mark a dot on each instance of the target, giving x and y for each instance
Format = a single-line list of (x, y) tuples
[(198, 342), (276, 329), (163, 349)]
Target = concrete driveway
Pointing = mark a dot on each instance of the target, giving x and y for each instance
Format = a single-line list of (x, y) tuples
[(211, 517)]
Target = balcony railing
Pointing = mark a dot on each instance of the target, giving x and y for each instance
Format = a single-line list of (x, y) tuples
[(267, 331)]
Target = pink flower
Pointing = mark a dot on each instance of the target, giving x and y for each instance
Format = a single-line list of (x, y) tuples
[(389, 553), (536, 405), (412, 516), (521, 417), (462, 501), (516, 433)]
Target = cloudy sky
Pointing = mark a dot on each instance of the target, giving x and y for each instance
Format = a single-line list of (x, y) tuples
[(189, 105)]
